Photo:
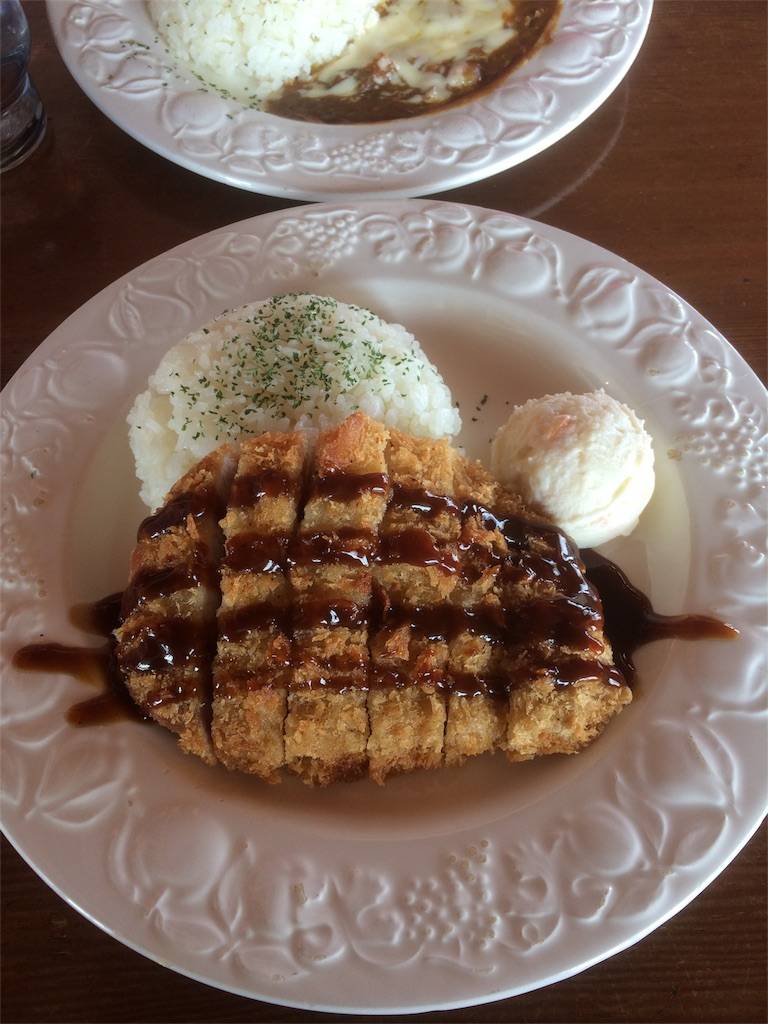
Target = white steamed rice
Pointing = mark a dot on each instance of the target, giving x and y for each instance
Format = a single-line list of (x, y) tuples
[(293, 361), (251, 48)]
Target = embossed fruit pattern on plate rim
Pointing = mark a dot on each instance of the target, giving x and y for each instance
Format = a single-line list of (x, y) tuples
[(441, 889), (112, 50)]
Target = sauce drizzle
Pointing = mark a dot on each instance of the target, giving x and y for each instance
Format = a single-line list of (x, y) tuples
[(174, 513), (93, 665), (347, 545), (591, 592), (250, 489), (631, 622)]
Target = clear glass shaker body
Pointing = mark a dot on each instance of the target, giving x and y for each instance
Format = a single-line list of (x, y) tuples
[(22, 118)]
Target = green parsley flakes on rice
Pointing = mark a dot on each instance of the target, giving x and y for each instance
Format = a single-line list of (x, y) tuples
[(290, 362)]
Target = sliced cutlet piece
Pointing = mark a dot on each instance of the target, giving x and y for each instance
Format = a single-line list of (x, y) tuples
[(326, 730), (252, 667), (416, 573), (167, 635), (545, 718), (477, 705), (563, 685)]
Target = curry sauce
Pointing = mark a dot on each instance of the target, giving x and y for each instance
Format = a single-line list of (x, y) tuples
[(422, 55)]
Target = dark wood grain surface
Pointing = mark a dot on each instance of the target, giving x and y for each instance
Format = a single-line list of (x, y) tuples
[(669, 173)]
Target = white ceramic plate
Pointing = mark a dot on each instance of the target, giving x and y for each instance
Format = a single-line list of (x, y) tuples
[(441, 889), (111, 48)]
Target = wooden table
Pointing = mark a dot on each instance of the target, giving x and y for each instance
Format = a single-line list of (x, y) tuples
[(670, 173)]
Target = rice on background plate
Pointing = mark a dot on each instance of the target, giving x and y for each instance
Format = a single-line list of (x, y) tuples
[(295, 361), (249, 49)]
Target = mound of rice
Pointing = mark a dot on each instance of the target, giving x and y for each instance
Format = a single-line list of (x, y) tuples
[(248, 49), (292, 361)]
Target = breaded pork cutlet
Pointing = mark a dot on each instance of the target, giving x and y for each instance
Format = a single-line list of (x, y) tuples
[(167, 635), (477, 711), (385, 606), (416, 573), (326, 731), (253, 662), (562, 685)]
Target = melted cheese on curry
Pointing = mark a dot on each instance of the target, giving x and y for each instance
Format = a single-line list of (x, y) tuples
[(419, 55)]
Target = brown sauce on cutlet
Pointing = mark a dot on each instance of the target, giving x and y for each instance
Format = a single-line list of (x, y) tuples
[(581, 605), (338, 664), (154, 646), (630, 620), (467, 684), (151, 583), (415, 546), (346, 487), (234, 681), (249, 489), (235, 624), (559, 622), (330, 613), (569, 616), (175, 691), (568, 671), (425, 503), (563, 572), (256, 552), (338, 682), (539, 553), (157, 648), (183, 647), (498, 686), (346, 546), (386, 677), (160, 645), (448, 622), (339, 675), (176, 512)]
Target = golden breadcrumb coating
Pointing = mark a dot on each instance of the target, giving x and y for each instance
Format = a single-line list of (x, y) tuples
[(177, 696), (251, 671), (408, 722), (373, 606), (326, 729)]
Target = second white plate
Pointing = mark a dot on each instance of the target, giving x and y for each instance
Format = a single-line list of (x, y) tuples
[(112, 50)]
